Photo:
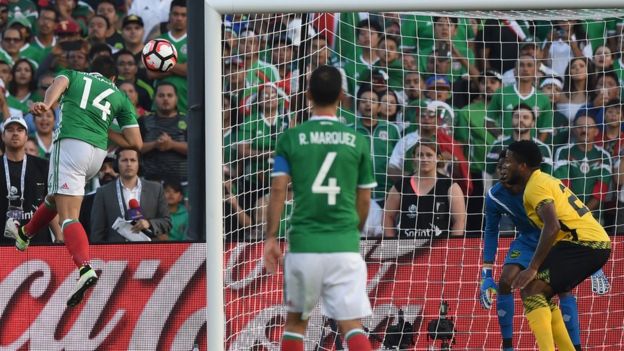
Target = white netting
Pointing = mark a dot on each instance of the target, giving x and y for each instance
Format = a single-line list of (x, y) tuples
[(454, 77)]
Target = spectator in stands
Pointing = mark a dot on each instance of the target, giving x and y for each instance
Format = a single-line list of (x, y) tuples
[(128, 68), (497, 43), (382, 136), (67, 35), (552, 87), (413, 87), (368, 34), (584, 166), (389, 61), (282, 53), (164, 138), (27, 185), (426, 204), (44, 40), (446, 45), (12, 42), (603, 59), (153, 12), (23, 85), (230, 135), (107, 9), (578, 80), (605, 89), (410, 64), (257, 72), (257, 136), (508, 98), (179, 215), (431, 124), (438, 88), (130, 89), (5, 78), (23, 25), (523, 124), (4, 15), (611, 137), (31, 147), (44, 124), (106, 175), (98, 25), (567, 40), (320, 54), (75, 11), (390, 107), (112, 202), (77, 56), (177, 37), (132, 32), (531, 48)]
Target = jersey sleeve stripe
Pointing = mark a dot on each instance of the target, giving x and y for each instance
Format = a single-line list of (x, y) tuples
[(500, 203), (130, 126), (367, 186), (278, 174)]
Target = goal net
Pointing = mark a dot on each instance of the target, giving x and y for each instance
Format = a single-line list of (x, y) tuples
[(471, 82)]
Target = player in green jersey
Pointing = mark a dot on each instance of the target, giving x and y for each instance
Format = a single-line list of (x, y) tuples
[(90, 102), (331, 171)]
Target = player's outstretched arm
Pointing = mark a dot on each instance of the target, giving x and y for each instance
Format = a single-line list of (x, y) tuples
[(52, 95), (272, 251), (546, 211)]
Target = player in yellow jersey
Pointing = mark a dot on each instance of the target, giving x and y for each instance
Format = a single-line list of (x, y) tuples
[(571, 247)]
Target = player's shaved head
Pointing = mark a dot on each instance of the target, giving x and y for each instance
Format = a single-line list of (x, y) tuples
[(325, 86), (525, 151)]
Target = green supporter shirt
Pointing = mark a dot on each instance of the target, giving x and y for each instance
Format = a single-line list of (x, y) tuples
[(27, 8), (470, 129), (618, 68), (505, 99), (354, 70), (394, 71), (417, 32), (36, 52), (179, 82), (179, 224), (89, 106), (382, 138), (262, 136), (327, 162), (457, 69), (259, 73), (492, 156), (583, 169)]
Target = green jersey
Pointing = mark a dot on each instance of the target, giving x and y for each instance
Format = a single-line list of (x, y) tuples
[(36, 52), (588, 172), (492, 156), (618, 68), (382, 137), (470, 129), (179, 82), (327, 162), (503, 102), (89, 106)]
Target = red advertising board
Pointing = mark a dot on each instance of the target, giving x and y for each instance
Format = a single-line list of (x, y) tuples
[(152, 297)]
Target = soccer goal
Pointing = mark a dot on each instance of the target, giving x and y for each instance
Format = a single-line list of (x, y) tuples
[(455, 72)]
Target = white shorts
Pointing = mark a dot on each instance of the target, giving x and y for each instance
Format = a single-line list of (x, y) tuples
[(338, 279), (72, 163)]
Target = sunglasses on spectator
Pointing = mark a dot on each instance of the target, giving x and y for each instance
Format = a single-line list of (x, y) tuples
[(12, 40)]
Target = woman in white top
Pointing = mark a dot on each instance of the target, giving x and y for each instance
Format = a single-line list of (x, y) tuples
[(577, 83), (566, 41)]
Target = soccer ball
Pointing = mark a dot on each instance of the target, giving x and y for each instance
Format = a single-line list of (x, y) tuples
[(159, 55)]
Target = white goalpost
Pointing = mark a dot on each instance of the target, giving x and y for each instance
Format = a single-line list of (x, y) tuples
[(235, 271)]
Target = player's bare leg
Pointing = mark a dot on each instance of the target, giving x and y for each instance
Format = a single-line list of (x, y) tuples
[(294, 331), (77, 244), (354, 335)]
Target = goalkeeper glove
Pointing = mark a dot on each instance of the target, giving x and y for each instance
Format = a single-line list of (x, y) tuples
[(487, 289), (600, 283)]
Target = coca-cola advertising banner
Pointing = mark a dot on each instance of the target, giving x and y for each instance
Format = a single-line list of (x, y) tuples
[(152, 297)]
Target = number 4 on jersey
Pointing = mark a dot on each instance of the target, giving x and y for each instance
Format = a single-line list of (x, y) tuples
[(105, 108), (331, 189)]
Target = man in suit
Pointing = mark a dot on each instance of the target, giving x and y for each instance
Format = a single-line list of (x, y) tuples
[(111, 201)]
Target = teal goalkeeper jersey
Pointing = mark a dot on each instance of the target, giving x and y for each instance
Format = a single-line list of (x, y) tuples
[(88, 108), (327, 163)]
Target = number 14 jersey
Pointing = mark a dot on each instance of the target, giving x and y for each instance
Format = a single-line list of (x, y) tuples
[(577, 222), (327, 163), (88, 107)]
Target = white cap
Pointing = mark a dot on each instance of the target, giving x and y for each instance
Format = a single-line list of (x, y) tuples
[(553, 81), (15, 119)]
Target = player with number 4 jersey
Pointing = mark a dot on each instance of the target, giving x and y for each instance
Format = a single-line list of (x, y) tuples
[(332, 176), (89, 104)]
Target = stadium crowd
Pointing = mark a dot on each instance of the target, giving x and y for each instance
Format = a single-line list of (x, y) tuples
[(425, 90), (40, 39)]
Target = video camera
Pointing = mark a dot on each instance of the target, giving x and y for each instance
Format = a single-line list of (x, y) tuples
[(442, 328)]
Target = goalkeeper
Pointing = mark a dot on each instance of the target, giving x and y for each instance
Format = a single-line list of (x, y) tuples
[(503, 199)]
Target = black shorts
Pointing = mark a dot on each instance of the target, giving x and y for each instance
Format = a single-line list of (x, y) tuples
[(568, 264)]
